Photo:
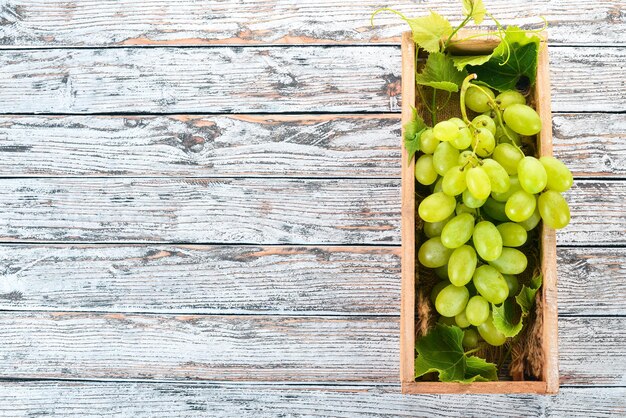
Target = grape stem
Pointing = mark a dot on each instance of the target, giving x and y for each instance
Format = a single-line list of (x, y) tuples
[(473, 351)]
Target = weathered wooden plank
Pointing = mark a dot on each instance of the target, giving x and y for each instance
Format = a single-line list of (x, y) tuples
[(291, 79), (201, 279), (87, 399), (201, 146), (258, 211), (45, 23), (245, 348), (263, 211)]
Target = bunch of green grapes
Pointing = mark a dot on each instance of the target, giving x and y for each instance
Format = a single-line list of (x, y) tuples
[(486, 197)]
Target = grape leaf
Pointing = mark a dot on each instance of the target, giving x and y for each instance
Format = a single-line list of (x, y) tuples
[(441, 351), (461, 61), (507, 65), (428, 30), (505, 315), (440, 73), (475, 9), (412, 134)]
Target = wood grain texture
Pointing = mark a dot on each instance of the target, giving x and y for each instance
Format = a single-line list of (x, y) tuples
[(257, 211), (263, 211), (257, 348), (201, 279), (197, 146), (235, 80), (45, 23), (96, 399)]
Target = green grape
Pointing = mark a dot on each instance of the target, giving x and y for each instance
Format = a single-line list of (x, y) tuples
[(436, 207), (433, 229), (470, 338), (428, 142), (498, 177), (436, 289), (461, 320), (490, 284), (520, 206), (461, 265), (438, 186), (495, 210), (513, 235), (559, 177), (442, 272), (487, 241), (446, 321), (553, 209), (451, 300), (454, 181), (445, 130), (522, 119), (530, 223), (477, 99), (532, 176), (433, 254), (490, 333), (508, 157), (470, 200), (458, 231), (424, 171), (507, 136), (478, 183), (511, 261), (463, 208), (477, 310), (483, 142), (509, 97), (484, 122), (514, 187), (445, 157), (458, 122), (512, 282), (464, 157), (463, 139)]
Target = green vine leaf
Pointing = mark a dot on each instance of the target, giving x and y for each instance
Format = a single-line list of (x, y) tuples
[(461, 61), (412, 134), (505, 316), (514, 58), (440, 73), (428, 31), (474, 9), (441, 351)]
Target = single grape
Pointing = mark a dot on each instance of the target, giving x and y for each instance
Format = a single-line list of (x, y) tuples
[(514, 186), (451, 300), (490, 284), (477, 310), (511, 261), (424, 171), (445, 130), (438, 186), (436, 289), (461, 320), (490, 333), (553, 209), (433, 254), (484, 122), (530, 223), (461, 265), (509, 97), (458, 231), (433, 229), (465, 156), (495, 210), (436, 207), (559, 177), (445, 157), (463, 208), (487, 241), (454, 181), (477, 99), (458, 122), (513, 235), (498, 177), (471, 201), (442, 272), (463, 139), (522, 119), (520, 206), (508, 157), (507, 136), (512, 282), (470, 338), (483, 142), (428, 142), (532, 176), (478, 183)]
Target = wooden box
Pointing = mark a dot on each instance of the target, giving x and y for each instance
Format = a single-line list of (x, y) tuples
[(549, 382)]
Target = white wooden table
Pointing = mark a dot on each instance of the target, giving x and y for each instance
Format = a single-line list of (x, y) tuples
[(200, 205)]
